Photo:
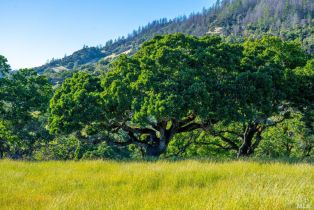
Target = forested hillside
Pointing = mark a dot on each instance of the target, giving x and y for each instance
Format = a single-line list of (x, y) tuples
[(234, 19)]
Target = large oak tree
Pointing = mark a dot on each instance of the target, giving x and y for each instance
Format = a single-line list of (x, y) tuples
[(176, 84), (173, 84)]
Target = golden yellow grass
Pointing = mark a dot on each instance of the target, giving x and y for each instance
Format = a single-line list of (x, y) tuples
[(155, 185)]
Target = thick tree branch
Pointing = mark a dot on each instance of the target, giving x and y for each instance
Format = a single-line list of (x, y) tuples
[(138, 130), (186, 121), (220, 132), (194, 125), (215, 144), (190, 127), (225, 139)]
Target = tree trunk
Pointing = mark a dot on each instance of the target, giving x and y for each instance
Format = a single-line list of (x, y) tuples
[(159, 145), (158, 137), (2, 147), (258, 139), (247, 148), (154, 150)]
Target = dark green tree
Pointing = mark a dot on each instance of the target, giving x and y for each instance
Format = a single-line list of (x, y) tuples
[(302, 81), (261, 91), (4, 66), (178, 84), (171, 85), (24, 101)]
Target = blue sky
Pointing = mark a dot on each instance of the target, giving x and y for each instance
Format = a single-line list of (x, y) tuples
[(33, 31)]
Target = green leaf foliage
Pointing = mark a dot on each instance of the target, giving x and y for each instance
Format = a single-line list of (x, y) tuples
[(75, 104)]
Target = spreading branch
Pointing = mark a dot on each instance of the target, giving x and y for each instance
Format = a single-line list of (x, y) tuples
[(220, 134)]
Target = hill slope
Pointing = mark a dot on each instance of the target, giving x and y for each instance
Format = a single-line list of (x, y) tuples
[(235, 19)]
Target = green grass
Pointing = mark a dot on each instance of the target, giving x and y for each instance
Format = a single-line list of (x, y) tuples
[(155, 185)]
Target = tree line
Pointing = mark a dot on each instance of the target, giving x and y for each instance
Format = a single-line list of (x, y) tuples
[(178, 95)]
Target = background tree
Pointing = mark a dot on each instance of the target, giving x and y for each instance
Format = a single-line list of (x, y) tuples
[(261, 91), (302, 82), (24, 101), (4, 66)]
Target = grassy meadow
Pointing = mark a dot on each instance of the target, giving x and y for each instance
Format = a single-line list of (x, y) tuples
[(156, 185)]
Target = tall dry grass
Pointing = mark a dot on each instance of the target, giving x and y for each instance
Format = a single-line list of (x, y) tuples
[(155, 185)]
